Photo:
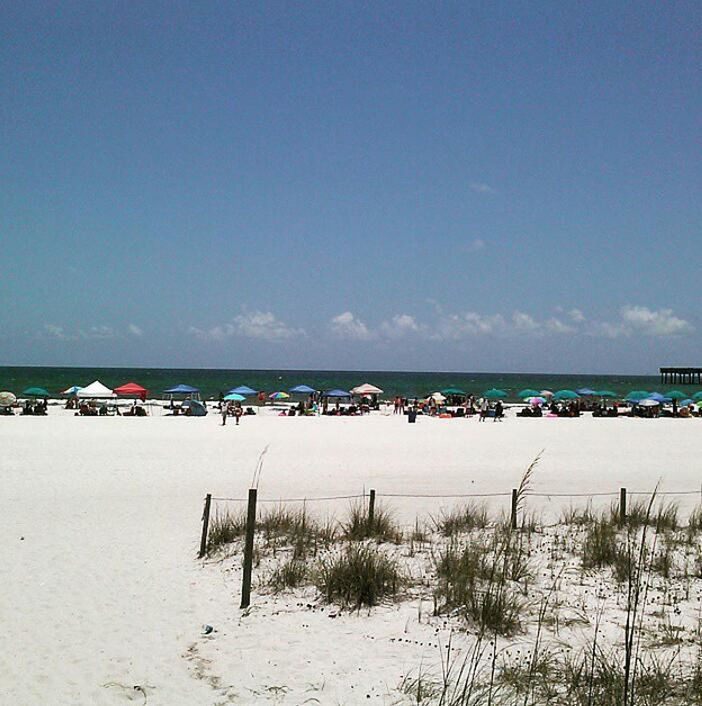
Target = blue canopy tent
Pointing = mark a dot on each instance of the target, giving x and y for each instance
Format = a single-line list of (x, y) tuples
[(302, 390), (188, 391), (242, 390)]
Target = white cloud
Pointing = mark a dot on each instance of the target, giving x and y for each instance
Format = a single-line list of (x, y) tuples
[(475, 245), (481, 188), (525, 323), (576, 315), (135, 330), (399, 326), (97, 332), (263, 324), (57, 332), (251, 324), (642, 321), (457, 326), (555, 325), (662, 322), (346, 325)]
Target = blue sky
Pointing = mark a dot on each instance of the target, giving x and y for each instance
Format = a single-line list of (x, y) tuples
[(399, 185)]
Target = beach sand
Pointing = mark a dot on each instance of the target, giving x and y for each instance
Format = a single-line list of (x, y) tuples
[(102, 591)]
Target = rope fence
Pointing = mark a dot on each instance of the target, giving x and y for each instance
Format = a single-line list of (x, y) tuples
[(515, 506)]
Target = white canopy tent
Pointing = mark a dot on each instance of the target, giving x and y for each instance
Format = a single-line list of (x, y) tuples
[(366, 389), (96, 391)]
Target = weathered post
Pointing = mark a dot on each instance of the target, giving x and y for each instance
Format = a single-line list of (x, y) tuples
[(371, 510), (205, 525), (622, 506), (514, 509), (248, 549)]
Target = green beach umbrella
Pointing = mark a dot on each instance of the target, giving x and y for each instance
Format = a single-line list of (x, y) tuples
[(35, 392), (566, 395), (697, 396), (453, 391), (494, 394), (528, 392), (676, 395), (637, 395), (606, 393)]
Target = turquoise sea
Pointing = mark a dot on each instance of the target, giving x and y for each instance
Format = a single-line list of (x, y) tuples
[(408, 384)]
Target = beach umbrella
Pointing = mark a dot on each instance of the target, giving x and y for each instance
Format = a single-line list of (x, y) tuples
[(35, 392), (366, 389), (649, 402), (278, 396), (336, 393), (676, 395), (686, 402), (7, 399), (536, 400), (606, 393), (637, 395), (181, 390), (494, 394), (586, 392), (233, 397), (302, 390), (453, 391), (546, 393), (658, 397), (697, 396), (244, 390), (437, 396), (528, 392), (565, 395), (72, 390)]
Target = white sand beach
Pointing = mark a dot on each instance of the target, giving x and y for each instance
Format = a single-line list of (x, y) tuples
[(101, 590)]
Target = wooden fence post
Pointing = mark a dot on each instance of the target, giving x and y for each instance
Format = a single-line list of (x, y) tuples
[(622, 506), (248, 549), (371, 509), (514, 509), (205, 525)]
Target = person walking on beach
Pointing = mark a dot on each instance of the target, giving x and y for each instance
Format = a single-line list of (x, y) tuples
[(499, 412), (484, 406), (238, 411)]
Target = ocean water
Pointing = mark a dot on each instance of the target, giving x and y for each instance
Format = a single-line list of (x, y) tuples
[(408, 384)]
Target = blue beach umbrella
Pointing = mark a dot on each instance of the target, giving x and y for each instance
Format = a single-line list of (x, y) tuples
[(243, 390), (658, 397)]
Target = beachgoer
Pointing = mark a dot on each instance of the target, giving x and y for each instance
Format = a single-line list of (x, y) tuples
[(484, 406), (237, 413), (498, 411)]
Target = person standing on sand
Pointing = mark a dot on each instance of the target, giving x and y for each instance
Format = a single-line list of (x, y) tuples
[(498, 412), (484, 405), (238, 411)]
